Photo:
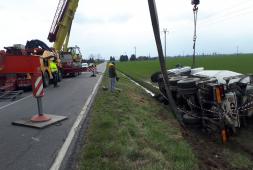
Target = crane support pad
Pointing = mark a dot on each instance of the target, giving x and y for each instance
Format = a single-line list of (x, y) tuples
[(40, 125), (10, 64)]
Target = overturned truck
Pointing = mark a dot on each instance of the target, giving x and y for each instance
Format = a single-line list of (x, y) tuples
[(216, 99)]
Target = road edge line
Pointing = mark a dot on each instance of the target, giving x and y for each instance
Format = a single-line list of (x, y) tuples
[(137, 84), (75, 128), (15, 102)]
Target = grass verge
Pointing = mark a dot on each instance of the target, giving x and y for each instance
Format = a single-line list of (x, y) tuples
[(130, 130)]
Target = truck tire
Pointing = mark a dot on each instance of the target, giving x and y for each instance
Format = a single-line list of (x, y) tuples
[(173, 80), (46, 79), (75, 74), (190, 120), (156, 77), (187, 83), (208, 80)]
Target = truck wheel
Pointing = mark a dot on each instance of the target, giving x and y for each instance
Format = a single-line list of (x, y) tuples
[(208, 80), (156, 77), (187, 83), (173, 80), (188, 119), (46, 79)]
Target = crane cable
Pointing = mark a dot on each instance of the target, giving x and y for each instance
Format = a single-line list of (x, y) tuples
[(195, 15)]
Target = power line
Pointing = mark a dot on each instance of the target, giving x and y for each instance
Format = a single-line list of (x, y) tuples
[(224, 19), (221, 16), (234, 13), (230, 9)]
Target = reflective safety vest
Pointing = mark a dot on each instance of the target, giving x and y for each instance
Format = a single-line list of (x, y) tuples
[(112, 71), (53, 67)]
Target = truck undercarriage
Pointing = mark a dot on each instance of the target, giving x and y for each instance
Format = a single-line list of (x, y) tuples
[(216, 100)]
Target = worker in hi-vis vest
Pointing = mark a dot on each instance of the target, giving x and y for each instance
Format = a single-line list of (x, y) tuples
[(54, 70), (112, 76)]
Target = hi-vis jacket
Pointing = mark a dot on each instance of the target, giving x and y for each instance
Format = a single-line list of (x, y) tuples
[(53, 67), (112, 70)]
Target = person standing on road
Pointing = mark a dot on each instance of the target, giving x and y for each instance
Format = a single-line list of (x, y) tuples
[(54, 70), (112, 76)]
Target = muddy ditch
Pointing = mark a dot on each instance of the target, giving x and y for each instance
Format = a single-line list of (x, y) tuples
[(212, 154), (236, 154)]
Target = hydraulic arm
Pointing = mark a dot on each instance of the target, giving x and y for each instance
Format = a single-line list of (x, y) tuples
[(61, 25)]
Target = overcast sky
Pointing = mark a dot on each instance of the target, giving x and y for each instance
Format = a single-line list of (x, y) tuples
[(115, 27)]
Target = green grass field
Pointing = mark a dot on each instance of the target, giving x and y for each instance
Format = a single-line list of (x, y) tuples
[(130, 130), (144, 69)]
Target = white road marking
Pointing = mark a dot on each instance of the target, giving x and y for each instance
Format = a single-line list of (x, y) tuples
[(15, 102), (75, 128), (145, 89), (36, 139)]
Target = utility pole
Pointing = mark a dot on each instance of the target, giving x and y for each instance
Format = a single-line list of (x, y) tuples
[(135, 51), (165, 32), (237, 49), (156, 30)]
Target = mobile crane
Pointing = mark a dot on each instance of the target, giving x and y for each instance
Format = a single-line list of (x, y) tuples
[(10, 82), (69, 58), (59, 34)]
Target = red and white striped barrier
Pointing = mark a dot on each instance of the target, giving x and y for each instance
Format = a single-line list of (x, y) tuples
[(38, 93), (37, 83), (92, 69)]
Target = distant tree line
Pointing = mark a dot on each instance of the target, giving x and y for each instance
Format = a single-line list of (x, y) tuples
[(92, 60), (123, 58), (112, 58), (134, 58)]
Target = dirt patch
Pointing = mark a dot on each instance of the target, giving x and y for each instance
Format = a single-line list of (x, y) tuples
[(207, 149), (138, 99), (211, 152), (207, 152), (244, 139)]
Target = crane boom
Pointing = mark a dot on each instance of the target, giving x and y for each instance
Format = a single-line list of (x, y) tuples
[(62, 22)]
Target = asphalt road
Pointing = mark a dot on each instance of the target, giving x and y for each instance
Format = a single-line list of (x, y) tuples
[(24, 148)]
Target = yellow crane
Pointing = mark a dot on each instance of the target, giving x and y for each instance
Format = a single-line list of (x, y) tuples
[(61, 25), (59, 34)]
